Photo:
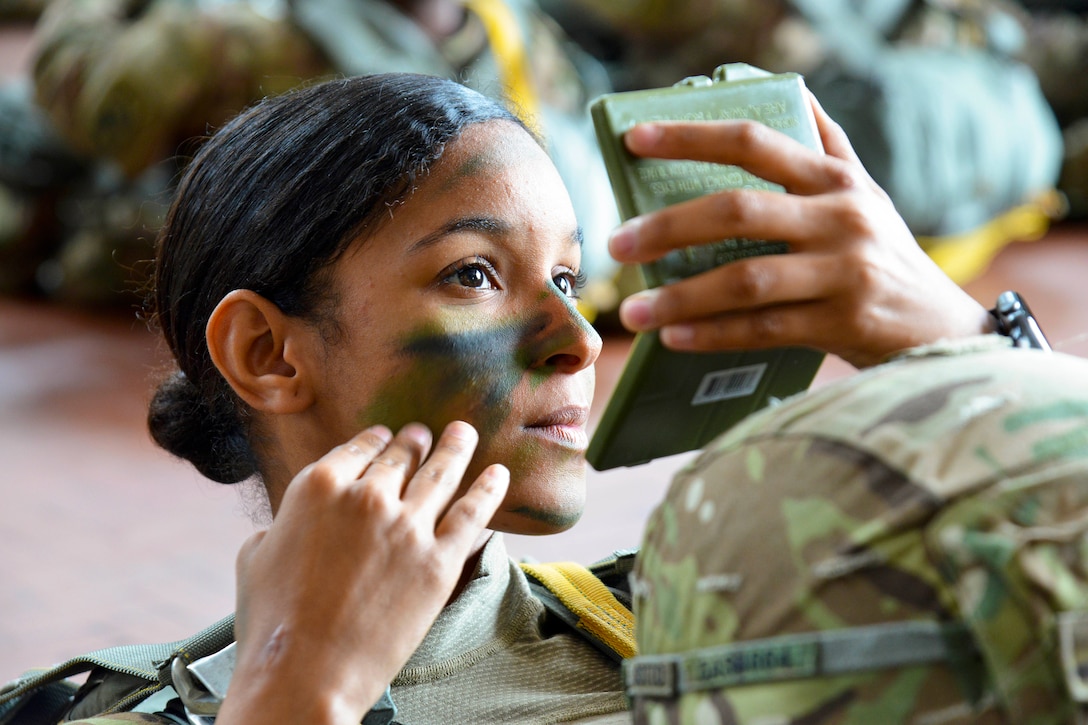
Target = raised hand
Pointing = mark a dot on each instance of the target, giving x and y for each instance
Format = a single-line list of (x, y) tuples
[(365, 550), (855, 284)]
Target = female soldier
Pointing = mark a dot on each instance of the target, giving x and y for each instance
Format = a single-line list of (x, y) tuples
[(349, 267)]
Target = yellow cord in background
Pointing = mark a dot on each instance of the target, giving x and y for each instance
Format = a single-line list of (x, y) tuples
[(508, 46), (963, 257)]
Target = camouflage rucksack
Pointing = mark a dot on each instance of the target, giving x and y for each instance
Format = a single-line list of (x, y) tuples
[(906, 545)]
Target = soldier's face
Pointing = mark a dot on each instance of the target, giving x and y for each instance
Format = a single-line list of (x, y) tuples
[(462, 306)]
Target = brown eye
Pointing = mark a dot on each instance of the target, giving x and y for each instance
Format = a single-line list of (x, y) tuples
[(569, 283), (472, 277)]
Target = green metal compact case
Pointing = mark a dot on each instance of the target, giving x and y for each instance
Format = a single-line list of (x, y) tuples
[(668, 402)]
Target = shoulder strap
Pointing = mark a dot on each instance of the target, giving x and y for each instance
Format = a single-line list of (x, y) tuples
[(149, 664), (580, 598)]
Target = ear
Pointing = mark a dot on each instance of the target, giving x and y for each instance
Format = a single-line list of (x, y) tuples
[(261, 352)]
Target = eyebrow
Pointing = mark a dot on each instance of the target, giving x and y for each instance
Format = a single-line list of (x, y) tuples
[(487, 225)]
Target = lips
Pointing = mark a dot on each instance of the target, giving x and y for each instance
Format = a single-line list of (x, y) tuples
[(566, 426)]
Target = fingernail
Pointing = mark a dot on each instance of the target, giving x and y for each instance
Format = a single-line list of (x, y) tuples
[(461, 429), (678, 336), (382, 432), (643, 136), (637, 311), (498, 477), (418, 432), (624, 239)]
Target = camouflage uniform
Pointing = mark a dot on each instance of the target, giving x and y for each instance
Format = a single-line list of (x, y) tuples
[(905, 545)]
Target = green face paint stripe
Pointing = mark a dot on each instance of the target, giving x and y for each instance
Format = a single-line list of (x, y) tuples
[(572, 308), (475, 165), (538, 376), (452, 375)]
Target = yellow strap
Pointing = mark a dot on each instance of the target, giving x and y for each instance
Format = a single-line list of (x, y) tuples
[(965, 256), (598, 610), (508, 46)]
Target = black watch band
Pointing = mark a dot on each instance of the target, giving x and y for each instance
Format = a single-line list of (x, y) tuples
[(1014, 320)]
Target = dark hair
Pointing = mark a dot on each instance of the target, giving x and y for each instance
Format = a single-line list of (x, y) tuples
[(267, 204)]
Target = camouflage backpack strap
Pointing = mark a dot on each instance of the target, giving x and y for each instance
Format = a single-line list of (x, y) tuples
[(582, 599), (144, 670)]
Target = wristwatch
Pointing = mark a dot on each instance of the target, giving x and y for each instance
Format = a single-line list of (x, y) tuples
[(1014, 320)]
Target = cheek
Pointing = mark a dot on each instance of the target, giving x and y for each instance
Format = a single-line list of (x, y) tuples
[(441, 377)]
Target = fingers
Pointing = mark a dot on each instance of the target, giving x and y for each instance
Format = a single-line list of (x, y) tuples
[(786, 325), (431, 488), (750, 285), (472, 512), (438, 480), (759, 149), (348, 461), (393, 467), (834, 139), (738, 214)]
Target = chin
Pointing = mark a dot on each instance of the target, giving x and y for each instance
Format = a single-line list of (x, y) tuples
[(533, 521), (538, 508)]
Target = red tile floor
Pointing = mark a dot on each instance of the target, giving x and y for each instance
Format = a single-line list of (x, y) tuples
[(105, 540)]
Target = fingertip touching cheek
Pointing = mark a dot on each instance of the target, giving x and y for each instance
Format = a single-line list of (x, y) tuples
[(522, 381)]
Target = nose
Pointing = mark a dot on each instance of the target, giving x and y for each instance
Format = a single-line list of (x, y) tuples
[(567, 342)]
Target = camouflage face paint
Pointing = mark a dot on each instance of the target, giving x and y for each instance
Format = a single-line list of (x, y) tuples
[(451, 375), (475, 165), (471, 374)]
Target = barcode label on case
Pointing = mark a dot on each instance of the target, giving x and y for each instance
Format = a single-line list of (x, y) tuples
[(726, 384)]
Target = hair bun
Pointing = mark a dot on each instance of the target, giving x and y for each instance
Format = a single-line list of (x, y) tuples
[(209, 436)]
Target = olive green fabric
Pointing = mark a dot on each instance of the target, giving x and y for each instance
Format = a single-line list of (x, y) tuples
[(947, 487)]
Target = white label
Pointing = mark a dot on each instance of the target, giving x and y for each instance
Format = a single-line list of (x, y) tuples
[(726, 384)]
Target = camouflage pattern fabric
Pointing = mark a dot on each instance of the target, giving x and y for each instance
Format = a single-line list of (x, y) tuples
[(130, 81), (950, 486)]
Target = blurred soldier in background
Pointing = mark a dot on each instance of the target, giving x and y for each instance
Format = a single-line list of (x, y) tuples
[(124, 89), (951, 104)]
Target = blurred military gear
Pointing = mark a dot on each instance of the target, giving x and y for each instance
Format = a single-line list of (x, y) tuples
[(905, 545), (937, 101), (36, 169), (135, 84), (21, 10)]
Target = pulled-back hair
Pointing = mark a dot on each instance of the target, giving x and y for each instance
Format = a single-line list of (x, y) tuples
[(267, 204)]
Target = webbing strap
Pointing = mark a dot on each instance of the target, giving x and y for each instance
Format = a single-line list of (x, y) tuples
[(598, 611), (797, 656), (142, 661)]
